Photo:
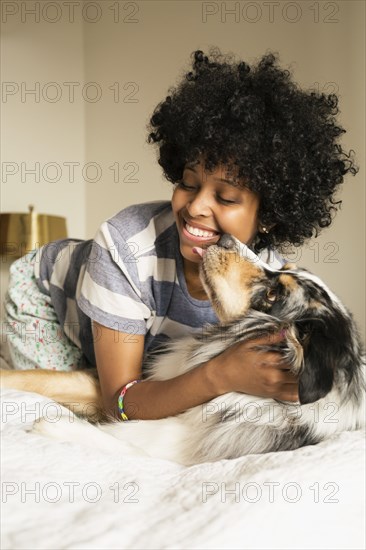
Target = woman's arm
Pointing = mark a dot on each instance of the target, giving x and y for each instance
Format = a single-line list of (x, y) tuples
[(240, 368), (119, 361)]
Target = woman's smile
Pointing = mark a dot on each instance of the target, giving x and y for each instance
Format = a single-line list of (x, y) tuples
[(197, 234)]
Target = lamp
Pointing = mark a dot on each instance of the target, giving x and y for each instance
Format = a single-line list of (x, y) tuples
[(20, 233)]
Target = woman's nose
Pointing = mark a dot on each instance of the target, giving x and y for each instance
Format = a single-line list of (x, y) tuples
[(200, 205)]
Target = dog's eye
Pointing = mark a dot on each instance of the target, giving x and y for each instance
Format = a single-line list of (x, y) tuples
[(271, 295)]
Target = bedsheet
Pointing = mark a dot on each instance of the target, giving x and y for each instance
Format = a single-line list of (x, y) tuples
[(65, 495)]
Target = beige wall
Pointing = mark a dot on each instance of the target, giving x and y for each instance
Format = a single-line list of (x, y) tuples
[(43, 131), (144, 51), (43, 127)]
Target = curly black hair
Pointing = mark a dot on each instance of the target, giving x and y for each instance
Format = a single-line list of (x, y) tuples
[(279, 139)]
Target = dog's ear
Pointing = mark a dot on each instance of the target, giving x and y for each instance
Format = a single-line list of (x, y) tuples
[(329, 345), (317, 374)]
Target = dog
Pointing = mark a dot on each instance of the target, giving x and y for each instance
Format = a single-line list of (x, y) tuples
[(321, 344)]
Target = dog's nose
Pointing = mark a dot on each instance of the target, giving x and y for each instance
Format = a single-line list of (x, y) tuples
[(226, 241)]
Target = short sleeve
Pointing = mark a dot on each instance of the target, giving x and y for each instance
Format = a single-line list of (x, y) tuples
[(109, 290)]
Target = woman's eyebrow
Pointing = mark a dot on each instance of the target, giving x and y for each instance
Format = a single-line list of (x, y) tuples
[(230, 182)]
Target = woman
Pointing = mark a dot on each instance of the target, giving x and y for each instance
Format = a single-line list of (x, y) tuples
[(250, 154)]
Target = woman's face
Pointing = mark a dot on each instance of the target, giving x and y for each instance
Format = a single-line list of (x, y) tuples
[(206, 205)]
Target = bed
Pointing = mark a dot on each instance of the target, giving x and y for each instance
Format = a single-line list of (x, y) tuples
[(64, 495)]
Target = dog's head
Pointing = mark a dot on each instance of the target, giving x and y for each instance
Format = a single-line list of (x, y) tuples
[(237, 281)]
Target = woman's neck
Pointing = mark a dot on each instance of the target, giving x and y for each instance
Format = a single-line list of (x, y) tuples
[(193, 281)]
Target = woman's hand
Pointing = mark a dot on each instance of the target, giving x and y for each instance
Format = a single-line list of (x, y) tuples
[(244, 368)]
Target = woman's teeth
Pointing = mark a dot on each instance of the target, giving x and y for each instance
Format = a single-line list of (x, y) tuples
[(199, 232)]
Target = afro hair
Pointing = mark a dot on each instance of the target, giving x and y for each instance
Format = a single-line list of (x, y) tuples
[(279, 139)]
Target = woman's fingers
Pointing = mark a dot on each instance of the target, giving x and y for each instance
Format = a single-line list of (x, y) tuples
[(290, 393)]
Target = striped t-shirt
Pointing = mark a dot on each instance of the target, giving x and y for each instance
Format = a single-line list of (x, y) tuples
[(129, 278)]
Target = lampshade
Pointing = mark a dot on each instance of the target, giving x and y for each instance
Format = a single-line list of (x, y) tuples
[(20, 233)]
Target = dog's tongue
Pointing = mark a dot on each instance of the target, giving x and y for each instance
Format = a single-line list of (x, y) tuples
[(198, 250)]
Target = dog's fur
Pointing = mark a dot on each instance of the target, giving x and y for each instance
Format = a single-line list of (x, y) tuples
[(251, 300)]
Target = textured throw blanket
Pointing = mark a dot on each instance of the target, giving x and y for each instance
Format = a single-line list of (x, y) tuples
[(63, 495)]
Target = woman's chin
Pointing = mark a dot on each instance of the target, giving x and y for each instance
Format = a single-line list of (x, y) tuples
[(189, 253)]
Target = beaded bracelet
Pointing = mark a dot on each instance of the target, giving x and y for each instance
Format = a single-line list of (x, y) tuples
[(121, 396)]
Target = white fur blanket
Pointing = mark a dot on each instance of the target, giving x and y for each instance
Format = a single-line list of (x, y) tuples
[(63, 495)]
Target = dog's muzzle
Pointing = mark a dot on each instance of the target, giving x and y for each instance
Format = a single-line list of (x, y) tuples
[(226, 241)]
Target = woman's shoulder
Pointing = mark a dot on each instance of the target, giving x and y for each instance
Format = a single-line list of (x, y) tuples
[(140, 227), (138, 216)]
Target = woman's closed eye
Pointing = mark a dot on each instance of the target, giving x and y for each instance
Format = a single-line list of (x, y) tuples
[(226, 201), (192, 188)]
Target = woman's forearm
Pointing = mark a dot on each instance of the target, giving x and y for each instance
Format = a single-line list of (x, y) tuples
[(152, 400), (240, 368)]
